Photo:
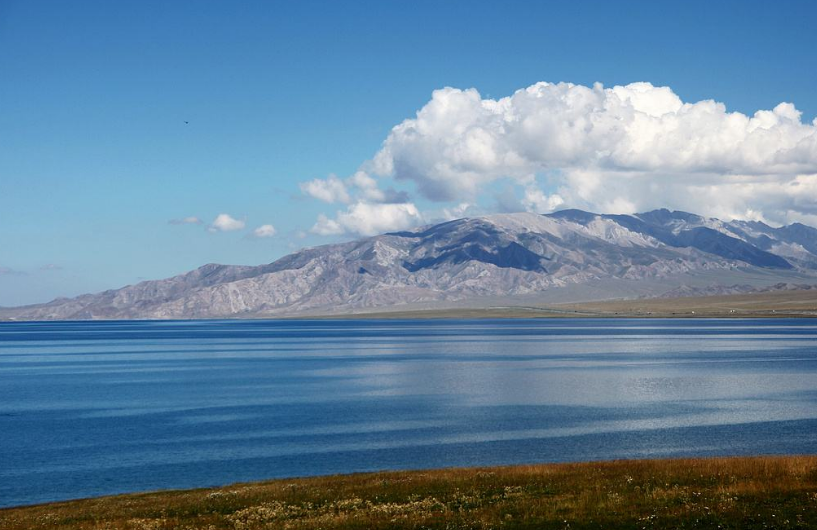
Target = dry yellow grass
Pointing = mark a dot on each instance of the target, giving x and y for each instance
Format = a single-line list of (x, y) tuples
[(771, 304), (762, 492), (775, 304)]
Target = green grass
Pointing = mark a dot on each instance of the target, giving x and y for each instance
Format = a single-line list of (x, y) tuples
[(738, 493)]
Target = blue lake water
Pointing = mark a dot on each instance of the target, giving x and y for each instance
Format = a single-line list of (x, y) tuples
[(94, 408)]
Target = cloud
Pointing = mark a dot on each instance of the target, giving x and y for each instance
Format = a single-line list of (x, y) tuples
[(623, 148), (359, 187), (457, 212), (264, 231), (368, 219), (327, 227), (536, 200), (225, 223), (6, 271), (366, 188), (186, 221), (329, 190), (370, 210), (51, 267), (549, 146)]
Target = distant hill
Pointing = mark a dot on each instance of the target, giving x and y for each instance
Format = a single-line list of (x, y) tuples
[(569, 256)]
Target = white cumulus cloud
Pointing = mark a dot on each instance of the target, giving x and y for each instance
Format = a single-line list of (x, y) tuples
[(226, 223), (614, 150), (264, 231), (611, 149), (329, 190), (359, 187), (536, 200), (327, 227), (368, 219)]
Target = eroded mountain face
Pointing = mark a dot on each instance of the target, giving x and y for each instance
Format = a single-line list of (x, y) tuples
[(499, 255)]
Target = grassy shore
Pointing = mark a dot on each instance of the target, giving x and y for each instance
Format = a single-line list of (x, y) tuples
[(776, 304), (739, 493)]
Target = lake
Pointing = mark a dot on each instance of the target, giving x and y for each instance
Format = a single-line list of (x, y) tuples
[(95, 408)]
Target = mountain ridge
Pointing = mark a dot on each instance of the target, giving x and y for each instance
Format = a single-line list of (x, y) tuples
[(469, 260)]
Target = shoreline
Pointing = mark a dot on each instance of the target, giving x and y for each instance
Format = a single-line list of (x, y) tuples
[(522, 314), (800, 304), (773, 304), (663, 493)]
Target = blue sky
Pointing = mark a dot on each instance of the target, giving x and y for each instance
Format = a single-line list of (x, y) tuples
[(96, 157)]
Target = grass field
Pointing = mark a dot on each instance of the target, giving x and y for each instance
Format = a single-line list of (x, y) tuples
[(738, 493), (774, 304)]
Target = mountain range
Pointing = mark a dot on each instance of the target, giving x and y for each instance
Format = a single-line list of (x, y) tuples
[(519, 258)]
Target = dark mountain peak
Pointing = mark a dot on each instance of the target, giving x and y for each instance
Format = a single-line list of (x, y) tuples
[(803, 235), (720, 244), (800, 227), (664, 216), (511, 256), (573, 214)]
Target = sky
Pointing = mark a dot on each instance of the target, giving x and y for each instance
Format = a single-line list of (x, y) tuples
[(143, 139)]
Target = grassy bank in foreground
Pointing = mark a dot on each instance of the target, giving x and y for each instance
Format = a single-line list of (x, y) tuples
[(745, 493)]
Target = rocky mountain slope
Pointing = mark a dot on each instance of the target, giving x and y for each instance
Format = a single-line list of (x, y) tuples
[(520, 256)]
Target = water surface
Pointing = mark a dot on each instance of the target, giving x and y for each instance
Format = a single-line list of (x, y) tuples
[(94, 408)]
